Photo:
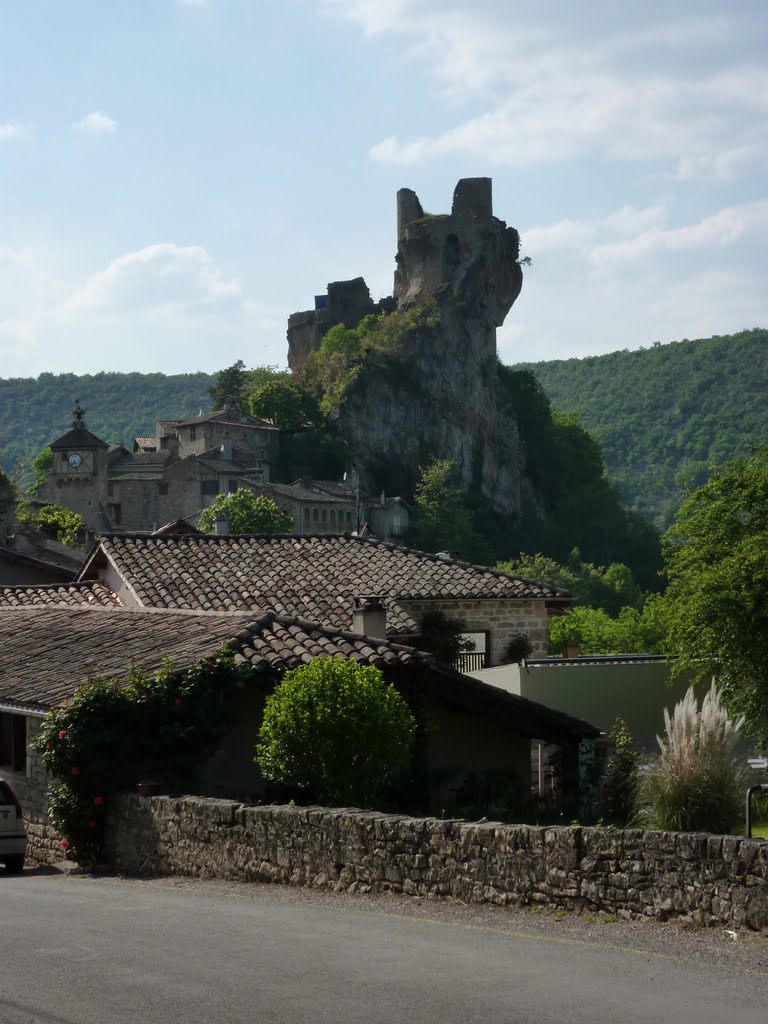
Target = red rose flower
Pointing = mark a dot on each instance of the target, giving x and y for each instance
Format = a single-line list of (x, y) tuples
[(179, 700), (62, 734), (66, 843), (98, 800), (75, 770), (49, 746)]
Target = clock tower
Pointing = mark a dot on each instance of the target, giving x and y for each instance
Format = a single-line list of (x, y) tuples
[(78, 476)]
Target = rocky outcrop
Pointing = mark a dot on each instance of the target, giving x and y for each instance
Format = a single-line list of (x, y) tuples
[(440, 395)]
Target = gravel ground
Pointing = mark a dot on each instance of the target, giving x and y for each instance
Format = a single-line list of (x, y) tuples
[(742, 952)]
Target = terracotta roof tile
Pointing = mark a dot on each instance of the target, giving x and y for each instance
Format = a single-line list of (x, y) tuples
[(315, 577), (90, 593), (47, 652)]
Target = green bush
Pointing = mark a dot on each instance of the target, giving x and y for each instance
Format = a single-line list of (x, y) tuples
[(696, 784), (336, 731), (246, 512)]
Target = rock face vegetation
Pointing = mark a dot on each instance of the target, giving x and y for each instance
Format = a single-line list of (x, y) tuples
[(416, 377)]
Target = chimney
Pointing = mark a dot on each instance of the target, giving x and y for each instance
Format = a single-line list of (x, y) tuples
[(370, 617), (221, 526)]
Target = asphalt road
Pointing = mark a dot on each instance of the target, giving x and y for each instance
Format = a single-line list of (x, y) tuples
[(79, 950)]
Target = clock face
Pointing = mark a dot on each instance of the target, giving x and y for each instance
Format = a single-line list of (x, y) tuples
[(75, 460)]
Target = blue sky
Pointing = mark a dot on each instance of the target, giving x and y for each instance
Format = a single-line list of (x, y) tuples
[(178, 176)]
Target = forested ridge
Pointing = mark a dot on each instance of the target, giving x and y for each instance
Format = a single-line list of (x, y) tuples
[(663, 415), (118, 406)]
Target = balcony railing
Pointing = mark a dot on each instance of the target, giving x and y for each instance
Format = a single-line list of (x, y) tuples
[(471, 662)]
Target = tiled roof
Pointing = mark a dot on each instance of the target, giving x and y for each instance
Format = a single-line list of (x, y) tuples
[(316, 577), (136, 460), (168, 426), (146, 442), (281, 642), (301, 494), (52, 595), (219, 416), (78, 437), (338, 488), (46, 653), (240, 460)]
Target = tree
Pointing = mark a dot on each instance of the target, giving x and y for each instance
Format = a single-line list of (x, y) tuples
[(336, 731), (41, 465), (610, 589), (67, 526), (228, 389), (289, 407), (443, 636), (246, 512), (716, 556), (632, 631), (443, 521)]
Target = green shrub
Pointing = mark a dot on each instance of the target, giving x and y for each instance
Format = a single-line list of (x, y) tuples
[(696, 783), (336, 731), (246, 512), (623, 768)]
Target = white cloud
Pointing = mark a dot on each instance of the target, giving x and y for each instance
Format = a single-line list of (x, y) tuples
[(557, 83), (96, 123), (720, 230), (165, 280), (10, 131), (165, 306), (629, 278)]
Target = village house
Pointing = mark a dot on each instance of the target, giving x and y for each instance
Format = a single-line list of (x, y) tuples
[(52, 640), (320, 578), (176, 472)]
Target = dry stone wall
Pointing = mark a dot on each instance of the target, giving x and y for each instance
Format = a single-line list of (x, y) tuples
[(711, 880)]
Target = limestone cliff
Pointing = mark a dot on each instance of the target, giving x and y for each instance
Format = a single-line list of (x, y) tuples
[(440, 396)]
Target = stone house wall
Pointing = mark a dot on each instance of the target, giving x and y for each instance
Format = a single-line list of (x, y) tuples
[(712, 880), (501, 619)]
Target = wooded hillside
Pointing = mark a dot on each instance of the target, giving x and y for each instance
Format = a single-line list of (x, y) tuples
[(664, 414), (117, 406)]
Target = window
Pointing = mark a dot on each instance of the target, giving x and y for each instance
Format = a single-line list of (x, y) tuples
[(115, 513), (471, 661), (232, 486), (325, 515), (349, 515), (333, 516), (314, 515), (307, 515), (209, 486), (110, 490), (13, 741), (397, 528), (163, 489), (193, 433)]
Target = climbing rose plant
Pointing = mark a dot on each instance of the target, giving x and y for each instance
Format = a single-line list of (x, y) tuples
[(159, 725)]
